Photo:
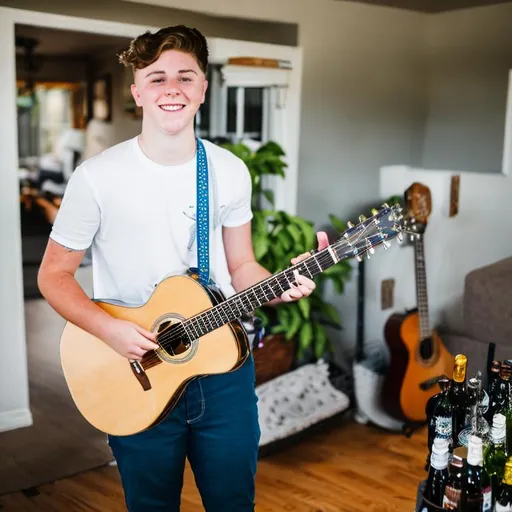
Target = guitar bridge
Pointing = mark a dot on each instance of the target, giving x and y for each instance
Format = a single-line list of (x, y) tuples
[(141, 375)]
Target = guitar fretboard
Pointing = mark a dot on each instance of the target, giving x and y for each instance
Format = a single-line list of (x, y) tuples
[(252, 298), (421, 287)]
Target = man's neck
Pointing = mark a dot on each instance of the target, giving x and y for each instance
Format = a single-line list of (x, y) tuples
[(166, 149)]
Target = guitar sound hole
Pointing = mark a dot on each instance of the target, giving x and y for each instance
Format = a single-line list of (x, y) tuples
[(426, 348), (173, 342)]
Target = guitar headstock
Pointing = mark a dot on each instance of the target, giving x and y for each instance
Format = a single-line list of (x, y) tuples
[(418, 201), (384, 225)]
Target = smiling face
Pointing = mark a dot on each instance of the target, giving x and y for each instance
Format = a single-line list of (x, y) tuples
[(170, 92)]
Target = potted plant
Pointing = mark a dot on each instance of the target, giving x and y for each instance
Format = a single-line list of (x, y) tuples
[(297, 330)]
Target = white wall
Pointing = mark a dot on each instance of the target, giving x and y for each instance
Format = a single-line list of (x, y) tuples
[(469, 55)]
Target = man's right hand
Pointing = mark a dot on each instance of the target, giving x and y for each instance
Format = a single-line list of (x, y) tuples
[(128, 339)]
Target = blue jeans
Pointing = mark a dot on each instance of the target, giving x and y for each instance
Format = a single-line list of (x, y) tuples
[(215, 425)]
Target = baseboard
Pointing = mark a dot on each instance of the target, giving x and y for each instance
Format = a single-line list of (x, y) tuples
[(17, 418)]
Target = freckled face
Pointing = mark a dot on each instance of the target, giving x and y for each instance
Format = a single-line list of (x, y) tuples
[(170, 91)]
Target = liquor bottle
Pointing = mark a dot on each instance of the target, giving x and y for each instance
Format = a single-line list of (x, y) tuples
[(439, 415), (437, 477), (479, 425), (496, 455), (494, 378), (499, 399), (504, 499), (459, 397), (452, 499), (478, 493)]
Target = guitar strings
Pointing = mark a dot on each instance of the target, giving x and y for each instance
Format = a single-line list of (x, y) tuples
[(323, 257), (177, 331)]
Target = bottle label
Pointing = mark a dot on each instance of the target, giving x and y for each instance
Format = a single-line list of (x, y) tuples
[(451, 498), (464, 436), (444, 428), (487, 501)]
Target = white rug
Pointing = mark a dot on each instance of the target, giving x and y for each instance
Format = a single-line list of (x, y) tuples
[(297, 400)]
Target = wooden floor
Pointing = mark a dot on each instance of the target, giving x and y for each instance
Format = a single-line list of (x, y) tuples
[(349, 468)]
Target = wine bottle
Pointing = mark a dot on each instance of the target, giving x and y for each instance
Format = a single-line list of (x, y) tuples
[(437, 477), (478, 492), (504, 499), (496, 455), (452, 499), (459, 399)]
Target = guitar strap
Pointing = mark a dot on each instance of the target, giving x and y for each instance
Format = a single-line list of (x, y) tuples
[(203, 215)]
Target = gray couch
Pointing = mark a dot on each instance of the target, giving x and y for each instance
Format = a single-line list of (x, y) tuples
[(487, 314)]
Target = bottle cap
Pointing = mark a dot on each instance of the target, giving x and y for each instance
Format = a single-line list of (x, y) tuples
[(475, 456), (499, 428), (439, 457), (459, 370)]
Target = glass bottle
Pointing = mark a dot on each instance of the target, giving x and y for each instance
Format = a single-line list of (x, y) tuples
[(440, 415), (452, 499), (496, 455), (478, 493), (504, 499), (437, 476), (459, 397)]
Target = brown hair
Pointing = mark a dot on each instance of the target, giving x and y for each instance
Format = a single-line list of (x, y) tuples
[(146, 48)]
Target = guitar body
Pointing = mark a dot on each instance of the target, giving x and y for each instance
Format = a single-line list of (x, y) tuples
[(413, 361), (104, 385)]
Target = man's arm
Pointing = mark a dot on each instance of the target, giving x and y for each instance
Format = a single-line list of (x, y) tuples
[(57, 283), (246, 271)]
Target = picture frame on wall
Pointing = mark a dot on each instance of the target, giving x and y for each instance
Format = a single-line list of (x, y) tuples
[(102, 98)]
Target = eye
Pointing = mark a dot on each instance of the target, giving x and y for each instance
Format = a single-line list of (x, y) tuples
[(157, 80), (185, 79)]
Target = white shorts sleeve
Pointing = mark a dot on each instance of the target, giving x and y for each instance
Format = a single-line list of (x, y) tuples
[(78, 218), (240, 211)]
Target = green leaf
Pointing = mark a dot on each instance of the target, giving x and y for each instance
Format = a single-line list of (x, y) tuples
[(337, 223), (285, 239), (305, 307), (308, 232), (295, 323), (269, 194), (296, 234), (320, 340), (305, 335)]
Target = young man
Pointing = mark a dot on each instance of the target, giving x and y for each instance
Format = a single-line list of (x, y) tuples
[(135, 204)]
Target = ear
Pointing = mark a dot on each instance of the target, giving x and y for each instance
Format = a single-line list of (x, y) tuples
[(204, 91), (136, 95)]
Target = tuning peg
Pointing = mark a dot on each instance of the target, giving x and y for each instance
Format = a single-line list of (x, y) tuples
[(362, 218), (400, 237), (385, 205), (350, 225), (359, 257), (374, 211), (368, 256), (386, 244)]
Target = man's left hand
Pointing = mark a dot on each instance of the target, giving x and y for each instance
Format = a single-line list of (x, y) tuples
[(304, 286)]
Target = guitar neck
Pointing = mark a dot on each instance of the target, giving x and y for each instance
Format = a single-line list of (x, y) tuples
[(421, 287), (258, 295)]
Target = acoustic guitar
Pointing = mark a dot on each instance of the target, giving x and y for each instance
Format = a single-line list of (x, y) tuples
[(418, 357), (198, 332)]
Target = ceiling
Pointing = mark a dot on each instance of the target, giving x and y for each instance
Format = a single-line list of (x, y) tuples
[(432, 6), (67, 42)]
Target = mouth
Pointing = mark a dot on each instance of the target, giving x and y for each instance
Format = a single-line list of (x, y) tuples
[(172, 107)]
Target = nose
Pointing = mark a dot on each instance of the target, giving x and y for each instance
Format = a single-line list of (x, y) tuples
[(172, 88)]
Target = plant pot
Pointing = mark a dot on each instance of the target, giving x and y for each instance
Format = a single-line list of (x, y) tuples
[(275, 357)]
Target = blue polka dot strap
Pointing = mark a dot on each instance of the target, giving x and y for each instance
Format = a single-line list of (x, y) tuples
[(203, 215)]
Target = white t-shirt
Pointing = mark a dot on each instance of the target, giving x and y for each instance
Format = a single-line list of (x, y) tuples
[(139, 217)]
